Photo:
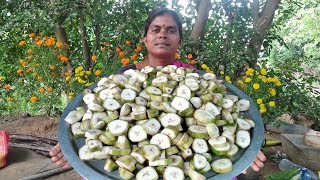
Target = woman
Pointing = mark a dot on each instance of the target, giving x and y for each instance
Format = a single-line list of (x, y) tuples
[(162, 38)]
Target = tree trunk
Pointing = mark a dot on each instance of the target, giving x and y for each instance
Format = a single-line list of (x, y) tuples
[(261, 25), (85, 45), (197, 33)]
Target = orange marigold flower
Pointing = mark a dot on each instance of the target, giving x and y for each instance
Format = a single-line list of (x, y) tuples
[(97, 73), (66, 74), (52, 67), (38, 38), (121, 54), (59, 56), (105, 43), (7, 86), (42, 90), (49, 41), (30, 57), (29, 51), (193, 62), (128, 42), (22, 43), (118, 50), (64, 59), (35, 75), (103, 50), (124, 61), (134, 57), (49, 89), (39, 78), (139, 47), (20, 72), (39, 43), (58, 44), (34, 99), (94, 58), (190, 56), (31, 35), (66, 45), (30, 69)]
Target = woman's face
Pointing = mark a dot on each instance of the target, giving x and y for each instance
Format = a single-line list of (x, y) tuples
[(163, 38)]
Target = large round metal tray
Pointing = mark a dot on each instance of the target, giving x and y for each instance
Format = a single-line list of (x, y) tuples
[(94, 169)]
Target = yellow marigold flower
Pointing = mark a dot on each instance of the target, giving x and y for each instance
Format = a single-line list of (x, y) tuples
[(1, 78), (31, 35), (68, 78), (259, 101), (269, 79), (228, 79), (247, 80), (22, 43), (278, 83), (263, 110), (249, 72), (260, 77), (49, 89), (70, 95), (97, 73), (52, 67), (190, 56), (88, 84), (81, 73), (39, 43), (88, 72), (221, 72), (81, 81), (263, 71), (29, 51), (9, 99), (240, 82), (34, 99), (7, 86), (272, 103), (256, 86), (121, 54), (94, 58), (272, 92), (58, 44), (135, 62), (262, 106), (42, 90), (204, 66), (128, 42)]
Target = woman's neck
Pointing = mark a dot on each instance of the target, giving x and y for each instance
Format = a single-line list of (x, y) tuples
[(159, 61)]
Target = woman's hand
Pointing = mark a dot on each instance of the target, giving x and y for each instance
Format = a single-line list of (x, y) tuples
[(57, 157), (258, 162)]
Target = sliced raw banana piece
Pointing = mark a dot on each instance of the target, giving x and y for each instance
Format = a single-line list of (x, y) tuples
[(173, 173), (222, 165)]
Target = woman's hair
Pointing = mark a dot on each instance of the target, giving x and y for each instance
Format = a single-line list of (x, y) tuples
[(159, 12)]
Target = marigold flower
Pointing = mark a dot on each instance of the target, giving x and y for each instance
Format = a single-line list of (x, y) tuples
[(20, 72), (88, 72), (135, 62), (34, 99), (39, 78), (259, 101), (1, 78), (263, 71), (139, 47), (249, 72), (64, 59), (121, 54), (269, 79), (204, 66), (190, 56), (39, 43), (35, 75), (272, 92), (240, 82), (65, 45), (272, 103), (49, 89), (49, 41), (42, 90), (66, 74), (124, 61), (278, 83), (193, 62), (88, 84), (30, 57), (134, 57), (22, 43), (94, 58), (103, 50), (228, 79), (247, 80), (176, 55), (70, 95), (105, 43), (256, 86), (31, 35), (58, 44), (221, 72), (7, 86), (22, 62), (97, 73), (29, 51), (38, 38), (52, 67), (30, 69), (263, 110), (128, 42), (68, 78), (118, 50), (9, 99)]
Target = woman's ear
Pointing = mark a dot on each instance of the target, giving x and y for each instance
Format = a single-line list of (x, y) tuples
[(144, 39)]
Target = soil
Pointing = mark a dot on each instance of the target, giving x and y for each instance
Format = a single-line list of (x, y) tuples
[(45, 126)]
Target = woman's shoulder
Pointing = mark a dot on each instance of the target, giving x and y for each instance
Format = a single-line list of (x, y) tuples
[(123, 69)]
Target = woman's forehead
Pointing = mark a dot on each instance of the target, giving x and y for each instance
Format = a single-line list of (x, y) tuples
[(164, 20)]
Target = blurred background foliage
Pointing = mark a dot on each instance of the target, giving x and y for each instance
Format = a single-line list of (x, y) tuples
[(51, 50)]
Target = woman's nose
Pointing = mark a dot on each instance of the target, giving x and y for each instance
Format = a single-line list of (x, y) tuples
[(162, 33)]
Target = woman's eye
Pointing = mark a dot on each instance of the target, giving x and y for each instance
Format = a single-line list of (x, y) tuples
[(155, 30), (171, 30)]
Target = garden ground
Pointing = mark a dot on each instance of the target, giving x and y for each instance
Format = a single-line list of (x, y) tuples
[(23, 163)]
